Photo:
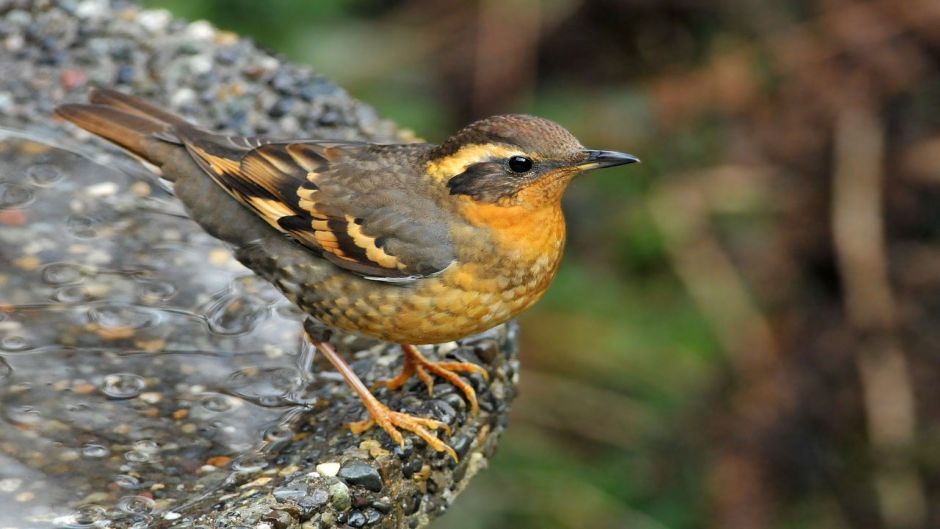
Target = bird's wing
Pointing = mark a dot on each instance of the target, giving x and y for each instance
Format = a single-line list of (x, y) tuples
[(333, 199)]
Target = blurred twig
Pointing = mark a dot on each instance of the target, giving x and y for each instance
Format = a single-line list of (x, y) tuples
[(858, 233), (682, 209)]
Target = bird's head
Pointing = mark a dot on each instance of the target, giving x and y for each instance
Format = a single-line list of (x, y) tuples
[(515, 160)]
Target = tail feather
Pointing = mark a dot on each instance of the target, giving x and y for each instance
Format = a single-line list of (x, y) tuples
[(127, 121), (133, 105)]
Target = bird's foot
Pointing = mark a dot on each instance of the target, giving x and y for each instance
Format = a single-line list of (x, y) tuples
[(391, 421), (417, 364)]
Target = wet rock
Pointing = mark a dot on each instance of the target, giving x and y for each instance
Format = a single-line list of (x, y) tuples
[(362, 474), (356, 519), (312, 502), (339, 496), (282, 108), (462, 443), (412, 466), (279, 519)]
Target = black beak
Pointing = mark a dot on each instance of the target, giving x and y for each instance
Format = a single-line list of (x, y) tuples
[(601, 159)]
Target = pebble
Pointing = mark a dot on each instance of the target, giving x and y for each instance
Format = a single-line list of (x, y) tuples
[(372, 516), (313, 501), (282, 107), (356, 519), (411, 467), (339, 496), (291, 492), (443, 411), (154, 20), (13, 42), (91, 9), (362, 474), (328, 469), (103, 189), (201, 30), (125, 74), (200, 64)]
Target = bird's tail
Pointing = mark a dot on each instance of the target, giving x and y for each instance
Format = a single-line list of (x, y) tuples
[(128, 121)]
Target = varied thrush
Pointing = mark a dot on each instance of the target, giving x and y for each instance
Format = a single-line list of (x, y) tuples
[(410, 243)]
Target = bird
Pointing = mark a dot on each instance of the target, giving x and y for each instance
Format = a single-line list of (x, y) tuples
[(411, 243)]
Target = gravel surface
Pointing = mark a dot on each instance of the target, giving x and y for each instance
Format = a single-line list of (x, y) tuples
[(146, 378)]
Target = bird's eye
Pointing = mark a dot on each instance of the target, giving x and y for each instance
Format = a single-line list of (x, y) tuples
[(520, 164)]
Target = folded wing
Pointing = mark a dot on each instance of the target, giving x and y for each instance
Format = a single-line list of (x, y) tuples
[(334, 199)]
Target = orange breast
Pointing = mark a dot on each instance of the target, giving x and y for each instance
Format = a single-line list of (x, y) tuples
[(506, 260)]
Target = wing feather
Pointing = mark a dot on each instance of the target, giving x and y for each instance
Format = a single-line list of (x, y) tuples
[(327, 198)]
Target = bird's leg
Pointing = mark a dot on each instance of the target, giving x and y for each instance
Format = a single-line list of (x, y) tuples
[(416, 363), (388, 419)]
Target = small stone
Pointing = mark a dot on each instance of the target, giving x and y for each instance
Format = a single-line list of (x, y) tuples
[(151, 397), (461, 445), (13, 42), (282, 82), (220, 256), (104, 189), (183, 96), (281, 108), (411, 467), (443, 411), (374, 448), (125, 74), (362, 474), (259, 482), (313, 501), (91, 9), (28, 262), (140, 189), (6, 102), (154, 20), (219, 461), (73, 78), (403, 451), (372, 516), (227, 55), (339, 496), (356, 519), (279, 519), (200, 64), (292, 492), (226, 38), (328, 469), (200, 30), (10, 484), (24, 497), (383, 504)]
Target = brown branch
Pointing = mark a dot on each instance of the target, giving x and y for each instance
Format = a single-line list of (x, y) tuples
[(858, 233)]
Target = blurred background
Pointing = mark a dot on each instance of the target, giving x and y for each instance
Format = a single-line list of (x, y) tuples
[(746, 330)]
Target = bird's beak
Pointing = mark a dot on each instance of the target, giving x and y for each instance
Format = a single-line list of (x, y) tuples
[(601, 159)]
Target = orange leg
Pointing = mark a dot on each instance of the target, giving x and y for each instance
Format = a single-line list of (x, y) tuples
[(416, 363), (389, 420)]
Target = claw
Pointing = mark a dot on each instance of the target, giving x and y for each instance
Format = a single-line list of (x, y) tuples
[(391, 421), (417, 364)]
